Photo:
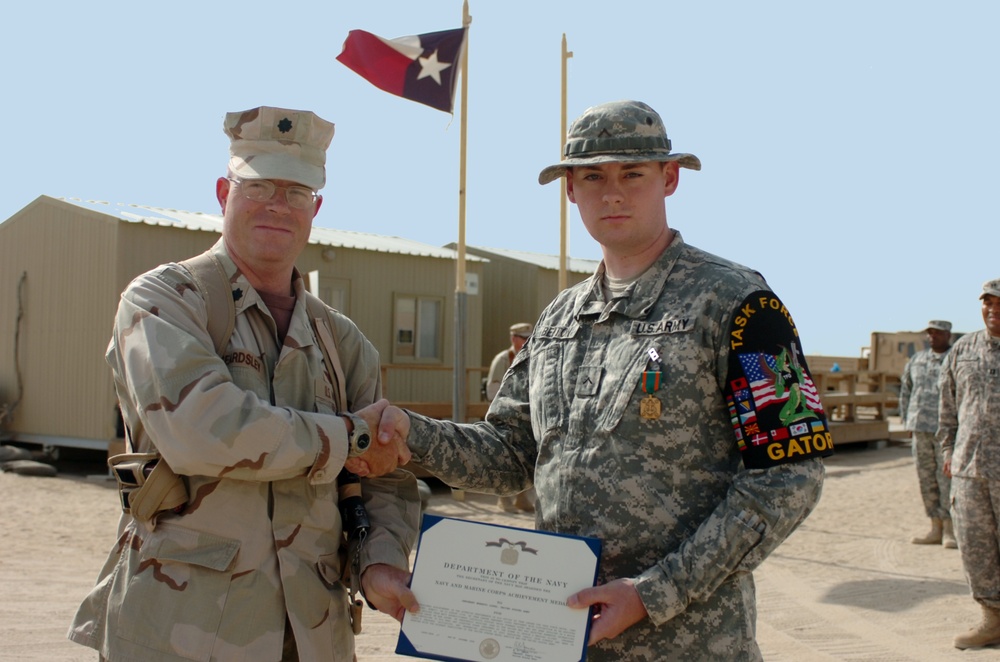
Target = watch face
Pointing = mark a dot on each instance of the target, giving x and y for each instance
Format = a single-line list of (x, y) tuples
[(363, 441)]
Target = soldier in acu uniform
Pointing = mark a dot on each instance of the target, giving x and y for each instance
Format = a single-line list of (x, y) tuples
[(645, 411), (969, 434), (245, 564), (918, 407)]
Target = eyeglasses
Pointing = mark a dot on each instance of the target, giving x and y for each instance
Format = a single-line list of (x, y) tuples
[(262, 190)]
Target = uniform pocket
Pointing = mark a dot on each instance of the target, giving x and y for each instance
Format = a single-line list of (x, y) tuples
[(970, 372), (177, 592), (623, 389), (547, 370)]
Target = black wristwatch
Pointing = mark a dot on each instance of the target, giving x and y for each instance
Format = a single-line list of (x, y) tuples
[(358, 436)]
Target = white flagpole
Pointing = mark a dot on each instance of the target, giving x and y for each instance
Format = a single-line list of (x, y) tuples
[(459, 385)]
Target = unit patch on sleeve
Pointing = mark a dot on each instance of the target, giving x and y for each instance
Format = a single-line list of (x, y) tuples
[(773, 403)]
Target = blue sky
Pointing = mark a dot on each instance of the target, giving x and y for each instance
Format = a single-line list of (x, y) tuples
[(850, 149)]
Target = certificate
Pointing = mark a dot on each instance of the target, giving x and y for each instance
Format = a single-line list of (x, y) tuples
[(490, 592)]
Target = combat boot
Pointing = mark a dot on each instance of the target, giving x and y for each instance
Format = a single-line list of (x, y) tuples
[(933, 537), (948, 535), (506, 504), (986, 632)]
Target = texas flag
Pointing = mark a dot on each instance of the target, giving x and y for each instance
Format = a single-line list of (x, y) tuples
[(422, 68)]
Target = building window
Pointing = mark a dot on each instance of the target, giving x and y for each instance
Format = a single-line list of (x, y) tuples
[(334, 292), (417, 328)]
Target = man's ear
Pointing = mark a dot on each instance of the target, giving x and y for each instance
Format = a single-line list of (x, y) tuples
[(569, 187), (222, 192), (671, 177)]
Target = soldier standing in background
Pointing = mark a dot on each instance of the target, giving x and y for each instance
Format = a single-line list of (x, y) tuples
[(519, 334), (650, 409), (969, 434), (918, 407)]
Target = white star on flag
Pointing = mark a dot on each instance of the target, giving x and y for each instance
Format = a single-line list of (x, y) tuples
[(429, 66)]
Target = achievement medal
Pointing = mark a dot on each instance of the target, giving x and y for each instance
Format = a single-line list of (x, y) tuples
[(649, 407)]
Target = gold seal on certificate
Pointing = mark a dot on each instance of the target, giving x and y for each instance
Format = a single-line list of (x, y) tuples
[(490, 592), (489, 648)]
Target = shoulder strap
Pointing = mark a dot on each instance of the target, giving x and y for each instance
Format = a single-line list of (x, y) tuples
[(210, 277), (162, 489), (319, 316)]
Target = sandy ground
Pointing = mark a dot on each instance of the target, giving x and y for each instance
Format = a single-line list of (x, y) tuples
[(846, 586)]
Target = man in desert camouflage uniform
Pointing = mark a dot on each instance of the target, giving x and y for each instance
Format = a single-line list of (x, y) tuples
[(519, 334), (918, 407), (247, 567), (969, 434), (663, 405)]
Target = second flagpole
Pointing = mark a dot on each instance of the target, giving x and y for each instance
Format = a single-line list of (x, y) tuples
[(563, 202)]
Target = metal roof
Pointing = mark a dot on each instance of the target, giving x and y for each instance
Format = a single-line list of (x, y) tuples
[(574, 264), (322, 236)]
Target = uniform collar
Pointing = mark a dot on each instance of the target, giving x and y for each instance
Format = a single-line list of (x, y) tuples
[(640, 296), (245, 296)]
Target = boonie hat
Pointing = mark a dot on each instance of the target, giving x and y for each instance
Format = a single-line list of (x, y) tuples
[(940, 325), (277, 143), (616, 132), (991, 287), (522, 329)]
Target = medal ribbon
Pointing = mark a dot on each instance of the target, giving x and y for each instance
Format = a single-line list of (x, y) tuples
[(650, 381)]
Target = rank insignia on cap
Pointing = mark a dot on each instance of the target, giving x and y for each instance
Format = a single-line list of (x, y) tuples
[(278, 143)]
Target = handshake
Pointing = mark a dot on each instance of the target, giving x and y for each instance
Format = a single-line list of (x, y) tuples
[(389, 426)]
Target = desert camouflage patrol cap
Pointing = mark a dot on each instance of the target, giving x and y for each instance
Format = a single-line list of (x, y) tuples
[(617, 132), (991, 287), (940, 325), (522, 329), (277, 143)]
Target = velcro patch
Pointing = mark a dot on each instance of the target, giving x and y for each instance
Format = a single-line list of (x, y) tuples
[(588, 381), (660, 327)]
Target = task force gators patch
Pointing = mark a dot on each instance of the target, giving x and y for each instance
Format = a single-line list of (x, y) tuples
[(773, 403)]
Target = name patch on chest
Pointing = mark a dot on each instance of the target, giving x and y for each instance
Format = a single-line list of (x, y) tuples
[(243, 358), (659, 327), (556, 332)]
